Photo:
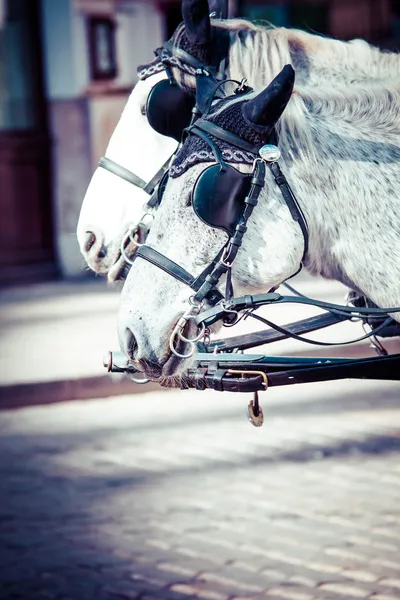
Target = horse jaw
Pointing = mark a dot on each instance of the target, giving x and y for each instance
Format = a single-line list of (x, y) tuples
[(112, 205)]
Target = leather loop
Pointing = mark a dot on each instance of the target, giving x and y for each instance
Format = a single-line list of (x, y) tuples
[(251, 201)]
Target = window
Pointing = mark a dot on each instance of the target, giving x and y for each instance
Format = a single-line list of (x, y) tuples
[(102, 48)]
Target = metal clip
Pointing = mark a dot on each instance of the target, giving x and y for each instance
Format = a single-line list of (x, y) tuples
[(242, 87)]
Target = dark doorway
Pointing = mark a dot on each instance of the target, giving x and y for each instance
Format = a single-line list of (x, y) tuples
[(173, 16), (26, 240)]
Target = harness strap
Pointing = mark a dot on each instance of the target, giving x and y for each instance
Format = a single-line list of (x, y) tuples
[(235, 241), (165, 263), (151, 186), (194, 129), (172, 268), (123, 173), (215, 313), (120, 171), (291, 202), (226, 136)]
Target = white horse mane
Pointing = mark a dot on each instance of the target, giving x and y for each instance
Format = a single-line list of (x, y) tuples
[(363, 86), (259, 52)]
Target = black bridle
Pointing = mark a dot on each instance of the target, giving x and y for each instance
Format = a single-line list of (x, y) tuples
[(225, 307), (205, 284), (182, 110), (168, 55)]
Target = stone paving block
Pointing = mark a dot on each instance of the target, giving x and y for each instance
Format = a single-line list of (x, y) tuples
[(196, 591), (290, 593), (379, 596), (232, 585), (345, 590)]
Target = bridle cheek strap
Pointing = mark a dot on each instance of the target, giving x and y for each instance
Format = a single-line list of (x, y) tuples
[(172, 268), (205, 284), (120, 171), (292, 204)]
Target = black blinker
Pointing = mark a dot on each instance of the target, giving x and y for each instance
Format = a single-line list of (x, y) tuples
[(169, 109), (218, 197)]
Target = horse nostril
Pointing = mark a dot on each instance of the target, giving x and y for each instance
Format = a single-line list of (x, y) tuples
[(90, 240), (98, 252)]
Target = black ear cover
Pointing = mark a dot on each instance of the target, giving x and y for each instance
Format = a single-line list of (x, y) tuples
[(218, 195), (265, 109), (169, 109), (196, 18)]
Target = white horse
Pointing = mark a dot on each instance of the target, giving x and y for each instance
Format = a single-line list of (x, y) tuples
[(111, 205), (341, 154)]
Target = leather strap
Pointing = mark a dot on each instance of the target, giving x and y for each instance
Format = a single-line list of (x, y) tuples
[(151, 186), (268, 336), (120, 171), (226, 136), (172, 268), (165, 263), (235, 241), (291, 202), (210, 316)]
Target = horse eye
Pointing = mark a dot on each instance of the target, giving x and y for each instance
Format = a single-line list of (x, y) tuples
[(143, 110)]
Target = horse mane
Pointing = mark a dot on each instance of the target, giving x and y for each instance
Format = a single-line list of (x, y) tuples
[(259, 52), (352, 83)]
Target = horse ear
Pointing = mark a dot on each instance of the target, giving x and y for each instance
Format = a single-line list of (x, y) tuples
[(197, 21), (267, 107)]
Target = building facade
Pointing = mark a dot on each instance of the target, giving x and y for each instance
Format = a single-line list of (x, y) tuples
[(66, 70)]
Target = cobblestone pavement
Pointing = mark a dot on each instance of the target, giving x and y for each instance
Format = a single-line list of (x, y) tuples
[(175, 496)]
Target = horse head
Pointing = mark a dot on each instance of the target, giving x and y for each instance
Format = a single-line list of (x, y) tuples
[(145, 138), (203, 201)]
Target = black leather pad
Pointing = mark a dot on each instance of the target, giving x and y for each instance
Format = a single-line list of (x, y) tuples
[(218, 197), (169, 109)]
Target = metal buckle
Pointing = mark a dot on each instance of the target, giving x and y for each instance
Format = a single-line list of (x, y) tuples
[(242, 87), (243, 373), (223, 258)]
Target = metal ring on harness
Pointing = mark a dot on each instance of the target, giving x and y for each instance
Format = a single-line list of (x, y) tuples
[(138, 381), (177, 332), (128, 235), (195, 339), (173, 349)]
